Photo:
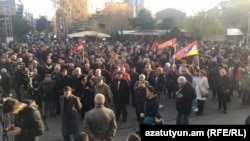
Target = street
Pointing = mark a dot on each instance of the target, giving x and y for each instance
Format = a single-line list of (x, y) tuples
[(236, 116)]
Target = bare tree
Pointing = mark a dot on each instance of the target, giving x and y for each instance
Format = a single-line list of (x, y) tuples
[(115, 17)]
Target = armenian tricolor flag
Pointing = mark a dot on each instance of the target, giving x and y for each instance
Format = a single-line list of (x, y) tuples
[(77, 48), (189, 50), (167, 43)]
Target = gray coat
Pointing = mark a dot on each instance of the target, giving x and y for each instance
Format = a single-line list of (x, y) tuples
[(70, 116), (100, 124)]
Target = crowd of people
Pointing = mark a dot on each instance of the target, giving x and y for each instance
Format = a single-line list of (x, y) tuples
[(120, 74)]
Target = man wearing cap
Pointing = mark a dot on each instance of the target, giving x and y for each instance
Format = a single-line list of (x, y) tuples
[(47, 90), (184, 98), (28, 124), (70, 107), (102, 87)]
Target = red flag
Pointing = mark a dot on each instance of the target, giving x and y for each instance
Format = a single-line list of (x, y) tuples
[(167, 43), (153, 46)]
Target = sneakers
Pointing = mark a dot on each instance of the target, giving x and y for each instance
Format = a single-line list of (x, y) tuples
[(161, 106), (195, 109)]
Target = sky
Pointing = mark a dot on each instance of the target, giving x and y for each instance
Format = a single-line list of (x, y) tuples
[(45, 7), (39, 8)]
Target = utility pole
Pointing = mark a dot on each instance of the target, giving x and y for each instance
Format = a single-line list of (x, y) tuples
[(248, 28)]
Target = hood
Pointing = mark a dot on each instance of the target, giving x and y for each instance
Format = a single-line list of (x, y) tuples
[(30, 103)]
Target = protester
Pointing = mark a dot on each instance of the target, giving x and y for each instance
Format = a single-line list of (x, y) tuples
[(202, 86), (70, 107), (184, 98), (133, 137), (81, 137), (159, 120), (247, 120), (245, 86), (42, 56), (121, 93), (100, 122), (47, 89), (28, 124), (6, 82), (139, 96), (159, 86), (102, 87), (223, 93), (149, 109)]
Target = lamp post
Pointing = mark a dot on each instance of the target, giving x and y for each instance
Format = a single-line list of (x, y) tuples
[(248, 28)]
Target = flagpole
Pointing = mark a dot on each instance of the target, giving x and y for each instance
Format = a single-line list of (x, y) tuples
[(198, 63), (83, 55), (174, 53)]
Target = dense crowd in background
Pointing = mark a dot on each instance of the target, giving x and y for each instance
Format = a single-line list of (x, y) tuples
[(125, 73)]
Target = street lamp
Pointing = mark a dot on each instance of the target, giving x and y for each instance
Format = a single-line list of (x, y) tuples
[(248, 28)]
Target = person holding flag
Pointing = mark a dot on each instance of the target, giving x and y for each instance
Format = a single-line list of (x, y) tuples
[(171, 42), (189, 50), (78, 47)]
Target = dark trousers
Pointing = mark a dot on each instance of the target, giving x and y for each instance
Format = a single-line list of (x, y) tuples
[(121, 108), (18, 93), (132, 96), (171, 91), (182, 119), (137, 111), (246, 97), (200, 104), (222, 99), (67, 137), (235, 86), (215, 93)]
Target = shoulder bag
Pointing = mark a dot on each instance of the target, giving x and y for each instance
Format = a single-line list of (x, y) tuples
[(203, 94)]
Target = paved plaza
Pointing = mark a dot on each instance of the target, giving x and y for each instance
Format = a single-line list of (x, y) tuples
[(236, 116)]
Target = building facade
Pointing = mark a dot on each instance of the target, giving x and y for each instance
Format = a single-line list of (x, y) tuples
[(137, 4)]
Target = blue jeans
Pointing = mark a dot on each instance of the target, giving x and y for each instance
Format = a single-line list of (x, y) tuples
[(161, 97), (195, 105), (182, 119)]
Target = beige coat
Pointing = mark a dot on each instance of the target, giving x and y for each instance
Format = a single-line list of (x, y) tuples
[(201, 85), (100, 124)]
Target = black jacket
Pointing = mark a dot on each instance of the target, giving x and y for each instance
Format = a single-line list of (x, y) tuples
[(120, 96), (245, 82), (184, 104), (6, 83), (224, 84), (30, 122), (150, 107), (159, 84), (151, 77)]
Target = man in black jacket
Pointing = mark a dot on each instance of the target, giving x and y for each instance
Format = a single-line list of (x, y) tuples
[(121, 92), (28, 124), (184, 98), (6, 82)]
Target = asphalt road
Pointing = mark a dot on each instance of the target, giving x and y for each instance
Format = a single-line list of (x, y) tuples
[(236, 115)]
